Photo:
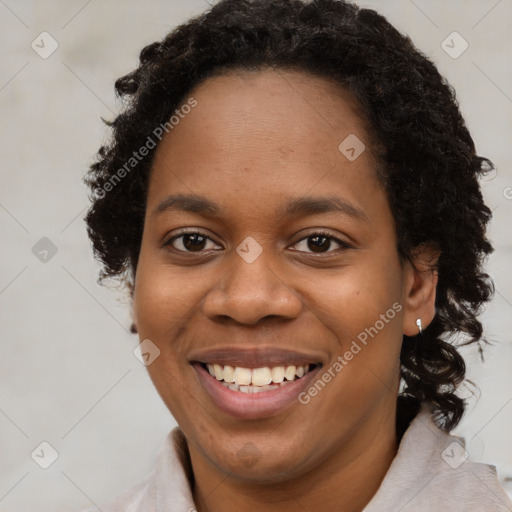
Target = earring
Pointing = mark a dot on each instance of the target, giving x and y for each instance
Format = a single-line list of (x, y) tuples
[(418, 323)]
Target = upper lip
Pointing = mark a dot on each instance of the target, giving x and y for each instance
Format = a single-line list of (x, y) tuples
[(256, 357)]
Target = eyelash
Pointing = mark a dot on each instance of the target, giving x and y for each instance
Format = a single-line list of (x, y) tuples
[(343, 245)]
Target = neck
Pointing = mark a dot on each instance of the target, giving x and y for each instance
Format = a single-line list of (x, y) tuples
[(346, 480)]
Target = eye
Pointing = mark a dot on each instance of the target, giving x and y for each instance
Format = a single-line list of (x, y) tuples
[(193, 241), (321, 243)]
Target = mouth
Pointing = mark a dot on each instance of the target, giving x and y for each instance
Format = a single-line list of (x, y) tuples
[(257, 380), (252, 388)]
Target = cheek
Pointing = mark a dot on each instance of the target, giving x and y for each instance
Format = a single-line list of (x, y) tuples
[(164, 297), (364, 369), (161, 305), (353, 299), (362, 307)]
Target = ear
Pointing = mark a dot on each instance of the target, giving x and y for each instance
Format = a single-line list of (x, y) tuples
[(420, 284)]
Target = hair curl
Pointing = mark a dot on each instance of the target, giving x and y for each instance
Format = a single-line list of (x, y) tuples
[(428, 162)]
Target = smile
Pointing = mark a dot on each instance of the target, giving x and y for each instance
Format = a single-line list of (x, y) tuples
[(253, 393), (256, 380)]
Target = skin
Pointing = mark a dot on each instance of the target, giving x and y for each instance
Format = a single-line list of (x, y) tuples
[(255, 141)]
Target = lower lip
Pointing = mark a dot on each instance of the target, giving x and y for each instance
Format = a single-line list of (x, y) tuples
[(253, 405)]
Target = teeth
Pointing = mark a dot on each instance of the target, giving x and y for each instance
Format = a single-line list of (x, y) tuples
[(250, 379), (277, 374), (242, 376), (249, 389), (229, 374), (219, 374), (261, 376), (289, 373)]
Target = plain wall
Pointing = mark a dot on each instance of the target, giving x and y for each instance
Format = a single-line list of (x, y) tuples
[(68, 373)]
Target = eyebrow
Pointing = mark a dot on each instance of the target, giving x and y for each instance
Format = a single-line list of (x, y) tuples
[(298, 207)]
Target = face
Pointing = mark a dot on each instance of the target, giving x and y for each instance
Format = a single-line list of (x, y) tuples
[(266, 251)]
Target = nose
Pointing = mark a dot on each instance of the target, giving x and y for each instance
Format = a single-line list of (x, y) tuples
[(249, 292)]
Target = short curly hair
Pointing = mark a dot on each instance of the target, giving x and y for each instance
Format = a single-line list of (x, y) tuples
[(427, 157)]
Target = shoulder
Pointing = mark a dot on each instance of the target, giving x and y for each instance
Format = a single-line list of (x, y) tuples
[(471, 487), (167, 487), (129, 501), (432, 471)]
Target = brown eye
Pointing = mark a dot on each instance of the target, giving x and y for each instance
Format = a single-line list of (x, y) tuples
[(320, 243), (194, 241), (189, 242)]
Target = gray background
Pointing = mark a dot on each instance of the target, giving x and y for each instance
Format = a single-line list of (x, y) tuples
[(68, 374)]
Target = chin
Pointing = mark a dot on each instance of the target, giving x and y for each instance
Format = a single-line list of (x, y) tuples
[(251, 462)]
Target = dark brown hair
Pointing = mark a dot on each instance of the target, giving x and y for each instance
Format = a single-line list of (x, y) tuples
[(428, 162)]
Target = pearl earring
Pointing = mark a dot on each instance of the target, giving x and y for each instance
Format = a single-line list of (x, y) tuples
[(418, 323)]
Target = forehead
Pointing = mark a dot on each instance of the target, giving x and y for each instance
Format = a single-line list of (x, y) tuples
[(278, 130), (280, 97)]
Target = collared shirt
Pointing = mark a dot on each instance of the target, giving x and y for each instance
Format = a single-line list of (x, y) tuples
[(430, 472)]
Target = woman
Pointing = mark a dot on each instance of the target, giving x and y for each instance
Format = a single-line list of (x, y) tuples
[(292, 197)]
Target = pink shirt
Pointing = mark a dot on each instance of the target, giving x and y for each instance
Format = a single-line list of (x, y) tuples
[(430, 472)]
